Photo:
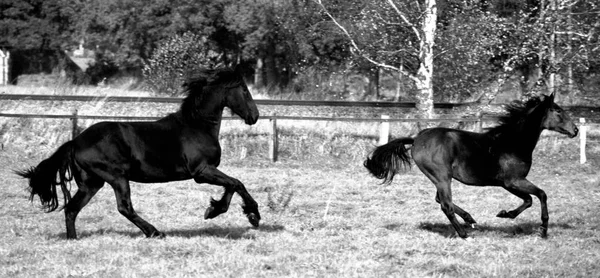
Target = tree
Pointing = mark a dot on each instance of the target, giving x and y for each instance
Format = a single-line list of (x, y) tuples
[(125, 32), (406, 34), (37, 24)]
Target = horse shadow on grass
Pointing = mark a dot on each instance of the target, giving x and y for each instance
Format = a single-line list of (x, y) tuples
[(509, 230), (229, 232)]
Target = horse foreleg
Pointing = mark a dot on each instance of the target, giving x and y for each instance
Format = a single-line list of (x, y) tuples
[(527, 201), (523, 189), (212, 175)]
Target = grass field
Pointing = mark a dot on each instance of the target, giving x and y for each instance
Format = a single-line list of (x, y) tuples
[(321, 218), (323, 215)]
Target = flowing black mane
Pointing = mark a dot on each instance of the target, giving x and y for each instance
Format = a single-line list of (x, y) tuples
[(199, 83), (516, 112)]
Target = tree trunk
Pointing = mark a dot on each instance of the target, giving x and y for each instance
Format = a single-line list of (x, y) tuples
[(550, 82), (259, 74), (272, 77), (373, 87), (424, 78)]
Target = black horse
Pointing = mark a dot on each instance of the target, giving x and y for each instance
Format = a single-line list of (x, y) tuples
[(501, 156), (180, 146)]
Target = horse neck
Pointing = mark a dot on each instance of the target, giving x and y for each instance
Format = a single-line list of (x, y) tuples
[(528, 134), (206, 117)]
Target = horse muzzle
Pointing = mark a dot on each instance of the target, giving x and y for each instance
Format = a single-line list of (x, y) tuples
[(573, 133), (251, 118)]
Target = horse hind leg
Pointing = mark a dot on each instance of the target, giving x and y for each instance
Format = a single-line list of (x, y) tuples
[(462, 213), (88, 186), (435, 173), (445, 197), (125, 207)]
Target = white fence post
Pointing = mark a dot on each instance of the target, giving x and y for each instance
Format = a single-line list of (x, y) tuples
[(384, 130), (4, 60), (582, 140)]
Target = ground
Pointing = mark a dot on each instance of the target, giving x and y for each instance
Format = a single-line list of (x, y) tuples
[(322, 217)]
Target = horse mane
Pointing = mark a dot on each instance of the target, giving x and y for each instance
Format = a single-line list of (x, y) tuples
[(196, 86), (516, 112)]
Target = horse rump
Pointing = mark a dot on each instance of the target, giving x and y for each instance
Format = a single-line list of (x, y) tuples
[(389, 159)]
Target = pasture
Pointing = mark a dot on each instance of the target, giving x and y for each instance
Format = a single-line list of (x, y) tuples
[(322, 217), (322, 214)]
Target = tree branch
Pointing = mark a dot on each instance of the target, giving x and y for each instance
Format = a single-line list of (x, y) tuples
[(403, 17), (356, 48)]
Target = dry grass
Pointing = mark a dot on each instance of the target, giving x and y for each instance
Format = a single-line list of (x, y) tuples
[(339, 222), (323, 216)]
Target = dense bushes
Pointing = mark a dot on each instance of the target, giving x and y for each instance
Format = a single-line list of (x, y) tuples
[(175, 56)]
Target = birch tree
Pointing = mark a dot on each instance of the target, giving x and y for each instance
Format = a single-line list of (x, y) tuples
[(406, 46)]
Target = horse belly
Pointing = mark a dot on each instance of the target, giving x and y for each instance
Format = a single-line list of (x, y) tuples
[(475, 171), (158, 167)]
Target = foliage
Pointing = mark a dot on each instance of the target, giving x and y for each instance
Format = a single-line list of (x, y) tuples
[(476, 40), (466, 43), (175, 57), (37, 24)]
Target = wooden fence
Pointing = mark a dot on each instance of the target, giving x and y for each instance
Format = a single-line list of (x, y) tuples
[(384, 121)]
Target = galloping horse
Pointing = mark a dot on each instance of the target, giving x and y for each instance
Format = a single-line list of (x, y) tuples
[(180, 146), (501, 156)]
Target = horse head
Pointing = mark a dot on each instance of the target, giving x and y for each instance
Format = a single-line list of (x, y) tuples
[(240, 101), (557, 119)]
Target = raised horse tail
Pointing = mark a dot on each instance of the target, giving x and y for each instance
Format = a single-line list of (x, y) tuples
[(50, 173), (389, 159)]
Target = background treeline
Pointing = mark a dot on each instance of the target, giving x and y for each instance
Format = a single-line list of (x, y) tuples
[(294, 47)]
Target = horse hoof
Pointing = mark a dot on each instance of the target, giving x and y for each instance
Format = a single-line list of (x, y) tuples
[(210, 213), (543, 232), (254, 220), (504, 214), (157, 234)]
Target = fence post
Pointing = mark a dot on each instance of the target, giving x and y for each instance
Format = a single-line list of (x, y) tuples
[(273, 141), (384, 130), (582, 140), (74, 127), (4, 62)]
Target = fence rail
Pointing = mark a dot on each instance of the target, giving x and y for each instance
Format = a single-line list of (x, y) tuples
[(333, 103), (382, 104), (273, 138), (384, 130)]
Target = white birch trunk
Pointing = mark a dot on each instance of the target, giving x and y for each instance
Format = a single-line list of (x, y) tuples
[(424, 78)]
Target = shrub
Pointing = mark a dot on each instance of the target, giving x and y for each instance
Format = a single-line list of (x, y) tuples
[(165, 70)]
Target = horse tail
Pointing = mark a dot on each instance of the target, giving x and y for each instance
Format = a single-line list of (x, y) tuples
[(389, 159), (50, 173)]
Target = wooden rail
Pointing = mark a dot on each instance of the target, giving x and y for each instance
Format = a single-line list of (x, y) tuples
[(273, 131), (273, 137), (382, 104)]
